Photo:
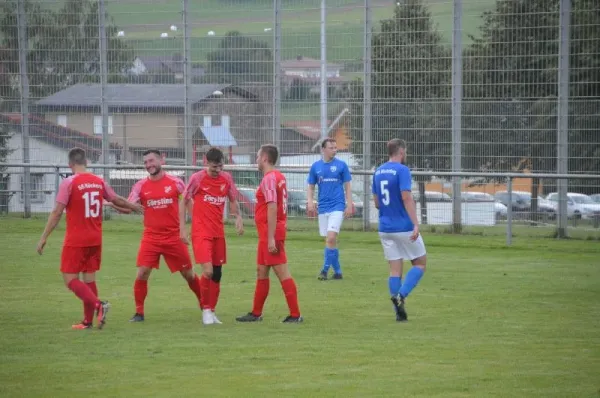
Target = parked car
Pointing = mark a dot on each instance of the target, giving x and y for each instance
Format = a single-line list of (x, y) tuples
[(433, 196), (521, 202), (296, 202), (500, 209), (578, 205)]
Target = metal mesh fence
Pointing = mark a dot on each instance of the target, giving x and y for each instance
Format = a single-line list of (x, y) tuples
[(471, 85), (505, 210)]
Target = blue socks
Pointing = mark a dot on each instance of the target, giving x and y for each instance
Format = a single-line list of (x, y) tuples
[(332, 259), (328, 261), (410, 282), (394, 283), (337, 268)]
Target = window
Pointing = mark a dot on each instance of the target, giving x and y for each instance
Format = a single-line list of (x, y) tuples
[(36, 185), (98, 125), (61, 120)]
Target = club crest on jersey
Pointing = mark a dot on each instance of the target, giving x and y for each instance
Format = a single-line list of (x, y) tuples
[(222, 187), (333, 169), (167, 189)]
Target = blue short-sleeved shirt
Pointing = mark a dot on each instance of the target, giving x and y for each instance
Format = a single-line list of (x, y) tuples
[(390, 179), (330, 177)]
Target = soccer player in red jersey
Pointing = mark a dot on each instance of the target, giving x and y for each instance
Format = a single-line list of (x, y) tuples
[(161, 195), (271, 219), (208, 190), (82, 195)]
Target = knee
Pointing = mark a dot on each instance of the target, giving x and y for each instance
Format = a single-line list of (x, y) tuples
[(420, 262), (143, 273), (331, 241), (262, 272), (208, 273), (216, 275)]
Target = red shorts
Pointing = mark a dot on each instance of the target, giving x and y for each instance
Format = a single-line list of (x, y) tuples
[(210, 250), (175, 253), (264, 257), (74, 260)]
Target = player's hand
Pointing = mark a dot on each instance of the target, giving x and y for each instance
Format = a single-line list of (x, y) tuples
[(272, 246), (40, 246), (311, 209), (183, 236), (349, 211), (415, 234), (239, 225), (138, 208)]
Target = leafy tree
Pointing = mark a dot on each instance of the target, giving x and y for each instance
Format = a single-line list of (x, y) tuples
[(410, 91), (63, 46), (510, 88), (239, 59)]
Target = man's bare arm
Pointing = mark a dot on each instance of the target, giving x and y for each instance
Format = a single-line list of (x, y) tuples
[(53, 220)]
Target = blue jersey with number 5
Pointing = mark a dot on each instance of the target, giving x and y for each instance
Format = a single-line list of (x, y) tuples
[(389, 181)]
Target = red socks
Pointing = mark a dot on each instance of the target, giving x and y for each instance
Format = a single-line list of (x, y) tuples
[(260, 296), (89, 309), (291, 296), (84, 293), (196, 287), (205, 292), (140, 291)]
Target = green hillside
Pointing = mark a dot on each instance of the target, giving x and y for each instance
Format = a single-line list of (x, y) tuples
[(143, 23)]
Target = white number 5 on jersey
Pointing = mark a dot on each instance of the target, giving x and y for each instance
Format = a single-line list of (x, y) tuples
[(385, 193)]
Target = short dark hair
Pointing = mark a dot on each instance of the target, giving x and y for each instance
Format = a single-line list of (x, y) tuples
[(215, 155), (77, 156), (394, 145), (271, 151), (327, 141), (154, 151)]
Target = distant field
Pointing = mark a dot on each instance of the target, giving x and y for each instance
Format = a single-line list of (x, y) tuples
[(143, 21)]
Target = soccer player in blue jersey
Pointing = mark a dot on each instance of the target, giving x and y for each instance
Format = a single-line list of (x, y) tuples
[(332, 176), (398, 225)]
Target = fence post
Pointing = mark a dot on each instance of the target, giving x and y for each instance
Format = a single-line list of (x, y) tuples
[(367, 110), (509, 214), (187, 75), (23, 50), (563, 114), (56, 181), (103, 48), (456, 115), (323, 70), (277, 73)]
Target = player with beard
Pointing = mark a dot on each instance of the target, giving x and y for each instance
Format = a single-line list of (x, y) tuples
[(161, 195), (206, 193)]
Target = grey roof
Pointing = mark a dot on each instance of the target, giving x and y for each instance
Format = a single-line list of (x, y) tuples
[(131, 95), (218, 136)]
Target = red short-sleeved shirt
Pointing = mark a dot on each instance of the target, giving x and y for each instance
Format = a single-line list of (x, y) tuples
[(160, 199), (83, 195), (209, 195), (272, 189)]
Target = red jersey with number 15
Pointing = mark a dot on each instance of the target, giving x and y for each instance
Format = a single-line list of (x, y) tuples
[(160, 199), (209, 195), (272, 189), (83, 194)]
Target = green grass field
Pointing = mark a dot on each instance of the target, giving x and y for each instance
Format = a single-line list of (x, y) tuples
[(300, 24), (485, 321)]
